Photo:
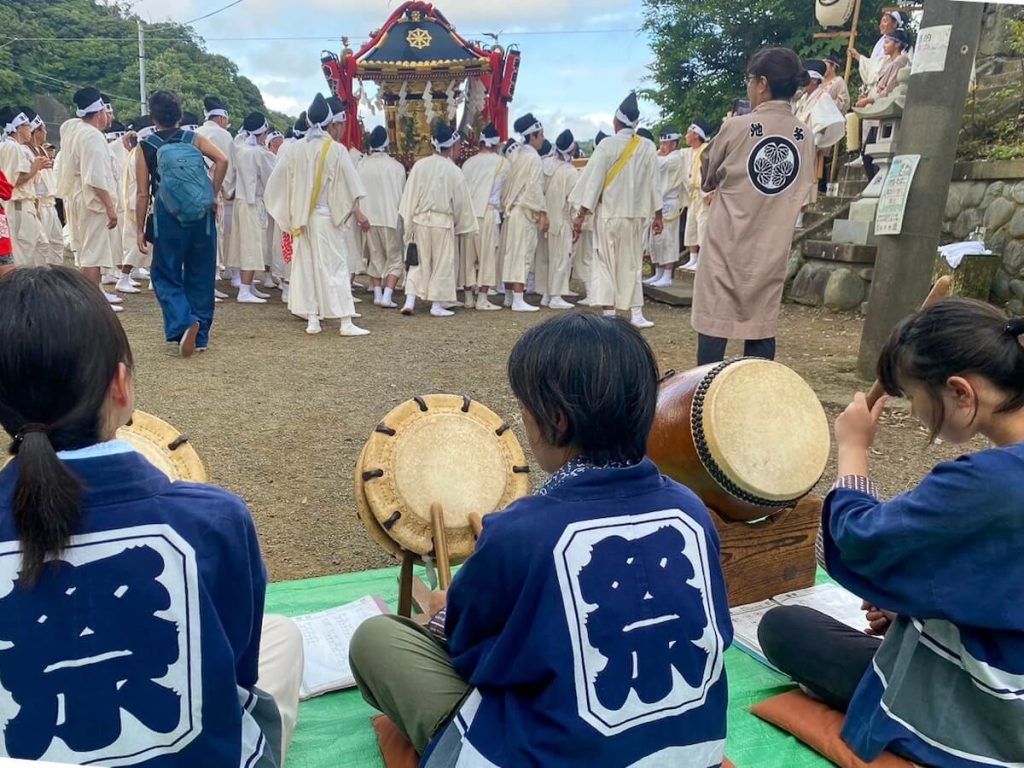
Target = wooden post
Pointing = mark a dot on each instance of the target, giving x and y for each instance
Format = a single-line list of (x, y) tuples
[(834, 173), (930, 128)]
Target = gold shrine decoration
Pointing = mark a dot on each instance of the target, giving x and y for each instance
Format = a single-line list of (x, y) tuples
[(419, 39)]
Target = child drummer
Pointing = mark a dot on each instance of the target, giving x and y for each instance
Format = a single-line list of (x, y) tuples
[(588, 627)]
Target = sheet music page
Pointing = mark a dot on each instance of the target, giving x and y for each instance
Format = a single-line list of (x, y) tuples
[(325, 640), (745, 620), (830, 599)]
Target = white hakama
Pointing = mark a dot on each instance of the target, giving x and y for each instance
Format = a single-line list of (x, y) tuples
[(319, 283)]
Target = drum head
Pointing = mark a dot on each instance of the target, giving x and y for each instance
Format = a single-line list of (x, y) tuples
[(766, 430), (443, 449), (162, 446)]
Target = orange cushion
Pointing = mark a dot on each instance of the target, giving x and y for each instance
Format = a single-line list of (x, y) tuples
[(395, 747), (398, 751), (818, 726)]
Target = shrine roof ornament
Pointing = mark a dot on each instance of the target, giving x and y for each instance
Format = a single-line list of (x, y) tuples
[(417, 36)]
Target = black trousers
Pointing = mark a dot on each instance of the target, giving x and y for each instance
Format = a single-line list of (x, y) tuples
[(823, 655), (711, 349)]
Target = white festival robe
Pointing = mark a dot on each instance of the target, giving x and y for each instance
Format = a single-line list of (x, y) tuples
[(222, 139), (93, 170), (320, 280), (522, 203), (384, 179), (665, 247), (46, 188), (479, 252), (554, 259), (27, 239), (253, 165), (133, 257), (435, 209), (621, 213)]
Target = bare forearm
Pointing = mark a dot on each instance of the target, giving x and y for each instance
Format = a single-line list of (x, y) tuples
[(853, 460), (141, 208), (220, 170), (106, 198)]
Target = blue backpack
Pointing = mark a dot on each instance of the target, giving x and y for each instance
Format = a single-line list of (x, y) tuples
[(185, 188)]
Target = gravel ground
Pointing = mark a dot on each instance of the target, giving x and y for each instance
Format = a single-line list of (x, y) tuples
[(279, 417)]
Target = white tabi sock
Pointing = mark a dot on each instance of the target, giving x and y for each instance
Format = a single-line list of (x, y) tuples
[(608, 313), (387, 294), (378, 294)]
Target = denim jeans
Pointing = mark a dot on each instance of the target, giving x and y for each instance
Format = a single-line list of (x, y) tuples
[(183, 273), (711, 349)]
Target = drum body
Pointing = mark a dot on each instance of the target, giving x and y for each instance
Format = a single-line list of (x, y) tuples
[(163, 446), (749, 436), (436, 449)]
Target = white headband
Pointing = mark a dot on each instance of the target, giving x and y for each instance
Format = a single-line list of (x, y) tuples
[(383, 147), (895, 16), (216, 113), (625, 120), (439, 145), (274, 136), (699, 131), (816, 75), (108, 107), (261, 130), (146, 132), (511, 148), (670, 137), (567, 153), (19, 120), (532, 129), (37, 123), (97, 106), (115, 136), (491, 142)]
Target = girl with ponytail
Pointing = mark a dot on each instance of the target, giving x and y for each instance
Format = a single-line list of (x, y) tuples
[(131, 607), (939, 568)]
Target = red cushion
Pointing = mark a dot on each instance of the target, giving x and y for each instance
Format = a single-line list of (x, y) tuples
[(395, 747), (818, 726), (398, 751)]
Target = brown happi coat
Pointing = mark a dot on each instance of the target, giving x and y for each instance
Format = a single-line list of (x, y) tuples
[(759, 167)]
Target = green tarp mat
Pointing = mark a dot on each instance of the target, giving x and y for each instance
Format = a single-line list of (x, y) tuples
[(334, 730)]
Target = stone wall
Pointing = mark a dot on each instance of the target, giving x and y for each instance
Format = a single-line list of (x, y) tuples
[(991, 195)]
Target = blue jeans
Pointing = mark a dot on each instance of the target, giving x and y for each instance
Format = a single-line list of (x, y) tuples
[(183, 273), (711, 349)]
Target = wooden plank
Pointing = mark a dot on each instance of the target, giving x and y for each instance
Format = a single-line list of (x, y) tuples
[(831, 35)]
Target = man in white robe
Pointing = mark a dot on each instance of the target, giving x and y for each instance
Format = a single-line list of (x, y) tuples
[(358, 225), (215, 130), (22, 169), (620, 186), (253, 164), (665, 247), (92, 203), (554, 259), (698, 202), (276, 269), (485, 174), (312, 193), (525, 213), (136, 263), (435, 210), (819, 112), (118, 144), (46, 196), (384, 179)]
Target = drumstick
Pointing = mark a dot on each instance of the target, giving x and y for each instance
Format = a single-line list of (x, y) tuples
[(939, 291), (476, 523), (444, 568)]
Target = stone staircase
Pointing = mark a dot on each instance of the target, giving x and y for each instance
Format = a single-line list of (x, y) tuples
[(834, 254)]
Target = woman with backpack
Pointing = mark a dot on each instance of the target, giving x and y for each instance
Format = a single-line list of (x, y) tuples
[(171, 170)]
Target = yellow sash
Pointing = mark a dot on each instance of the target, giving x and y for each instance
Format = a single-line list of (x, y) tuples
[(621, 162), (318, 181), (695, 174)]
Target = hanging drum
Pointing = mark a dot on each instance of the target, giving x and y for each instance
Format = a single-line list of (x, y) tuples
[(748, 436), (833, 13), (437, 449)]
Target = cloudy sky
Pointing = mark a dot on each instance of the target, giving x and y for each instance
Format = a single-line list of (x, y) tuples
[(578, 61)]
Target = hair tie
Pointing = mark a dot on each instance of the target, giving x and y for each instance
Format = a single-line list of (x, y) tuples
[(1015, 327), (30, 428)]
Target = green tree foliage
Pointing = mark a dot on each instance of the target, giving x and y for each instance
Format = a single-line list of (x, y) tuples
[(54, 47), (701, 48)]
